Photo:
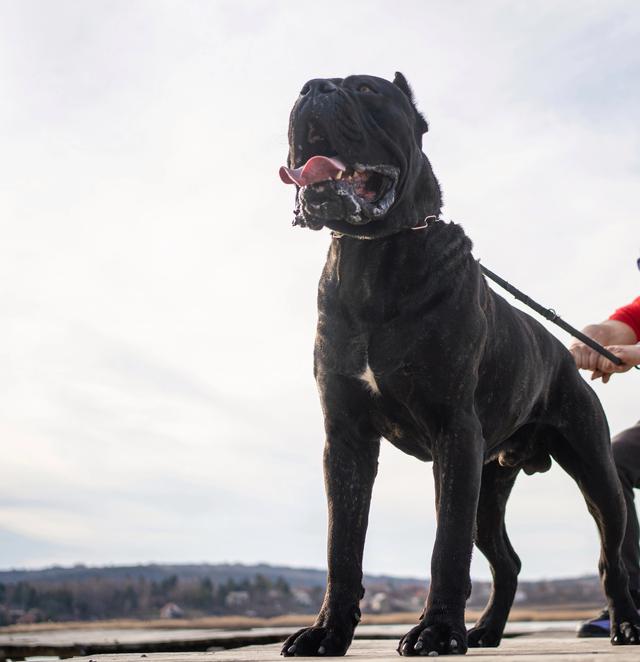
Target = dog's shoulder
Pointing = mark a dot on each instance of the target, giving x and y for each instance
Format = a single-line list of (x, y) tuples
[(448, 248), (450, 234)]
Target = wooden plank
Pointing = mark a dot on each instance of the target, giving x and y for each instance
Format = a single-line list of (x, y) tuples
[(75, 642), (522, 649)]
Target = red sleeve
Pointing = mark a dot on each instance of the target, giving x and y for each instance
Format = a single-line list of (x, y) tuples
[(630, 315)]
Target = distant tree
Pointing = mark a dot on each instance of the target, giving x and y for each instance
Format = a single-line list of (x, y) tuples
[(282, 585), (221, 594), (261, 585), (168, 585), (130, 600), (25, 596), (56, 602), (205, 598)]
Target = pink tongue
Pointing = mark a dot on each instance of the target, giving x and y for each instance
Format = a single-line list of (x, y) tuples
[(316, 169)]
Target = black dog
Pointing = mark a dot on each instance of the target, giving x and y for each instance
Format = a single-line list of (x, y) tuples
[(413, 346)]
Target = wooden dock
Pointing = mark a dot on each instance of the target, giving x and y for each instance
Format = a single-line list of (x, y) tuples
[(80, 642), (524, 642), (521, 649)]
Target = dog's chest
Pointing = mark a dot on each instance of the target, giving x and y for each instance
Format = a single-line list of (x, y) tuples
[(357, 354), (387, 392), (348, 354), (381, 360), (368, 378)]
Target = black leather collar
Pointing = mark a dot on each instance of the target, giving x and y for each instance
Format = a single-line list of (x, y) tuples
[(426, 222)]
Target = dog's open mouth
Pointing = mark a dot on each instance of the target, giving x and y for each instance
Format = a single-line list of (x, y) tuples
[(370, 189), (369, 183)]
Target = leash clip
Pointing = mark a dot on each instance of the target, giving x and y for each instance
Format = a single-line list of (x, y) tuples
[(428, 220)]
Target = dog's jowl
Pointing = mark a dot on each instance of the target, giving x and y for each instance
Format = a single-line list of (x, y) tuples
[(414, 347)]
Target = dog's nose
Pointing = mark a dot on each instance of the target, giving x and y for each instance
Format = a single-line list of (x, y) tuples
[(318, 86)]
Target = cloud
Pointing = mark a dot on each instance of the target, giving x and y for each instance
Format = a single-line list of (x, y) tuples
[(159, 311)]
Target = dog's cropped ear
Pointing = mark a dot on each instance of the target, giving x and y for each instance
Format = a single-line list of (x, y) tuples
[(400, 81)]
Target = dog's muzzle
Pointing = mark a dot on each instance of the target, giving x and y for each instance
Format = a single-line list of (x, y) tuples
[(331, 190)]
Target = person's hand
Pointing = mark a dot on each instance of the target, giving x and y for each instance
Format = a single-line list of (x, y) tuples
[(605, 333), (628, 354), (585, 357)]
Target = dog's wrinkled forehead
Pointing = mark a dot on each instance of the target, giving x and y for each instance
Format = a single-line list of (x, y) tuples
[(356, 84), (388, 103)]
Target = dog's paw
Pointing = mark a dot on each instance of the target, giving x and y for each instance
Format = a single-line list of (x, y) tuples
[(316, 641), (625, 634), (483, 637), (434, 639)]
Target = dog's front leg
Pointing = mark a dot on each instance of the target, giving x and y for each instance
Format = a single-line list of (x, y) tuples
[(458, 459), (350, 465)]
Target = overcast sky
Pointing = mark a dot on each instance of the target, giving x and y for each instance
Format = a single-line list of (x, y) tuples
[(158, 311)]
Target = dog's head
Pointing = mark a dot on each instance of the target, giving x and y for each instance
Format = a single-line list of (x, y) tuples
[(355, 155)]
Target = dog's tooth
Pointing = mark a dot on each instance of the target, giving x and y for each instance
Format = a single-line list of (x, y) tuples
[(339, 175)]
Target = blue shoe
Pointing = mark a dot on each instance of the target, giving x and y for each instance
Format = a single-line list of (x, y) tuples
[(600, 626)]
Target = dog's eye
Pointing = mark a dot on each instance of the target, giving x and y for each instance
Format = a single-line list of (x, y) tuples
[(365, 89)]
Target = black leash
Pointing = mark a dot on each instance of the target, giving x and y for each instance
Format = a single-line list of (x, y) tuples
[(547, 313), (551, 315)]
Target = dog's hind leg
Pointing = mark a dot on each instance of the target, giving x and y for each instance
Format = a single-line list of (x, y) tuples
[(493, 542), (584, 453)]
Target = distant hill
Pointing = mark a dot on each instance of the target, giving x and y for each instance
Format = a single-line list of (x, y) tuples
[(217, 573)]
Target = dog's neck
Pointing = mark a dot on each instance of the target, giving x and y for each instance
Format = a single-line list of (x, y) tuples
[(382, 275)]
